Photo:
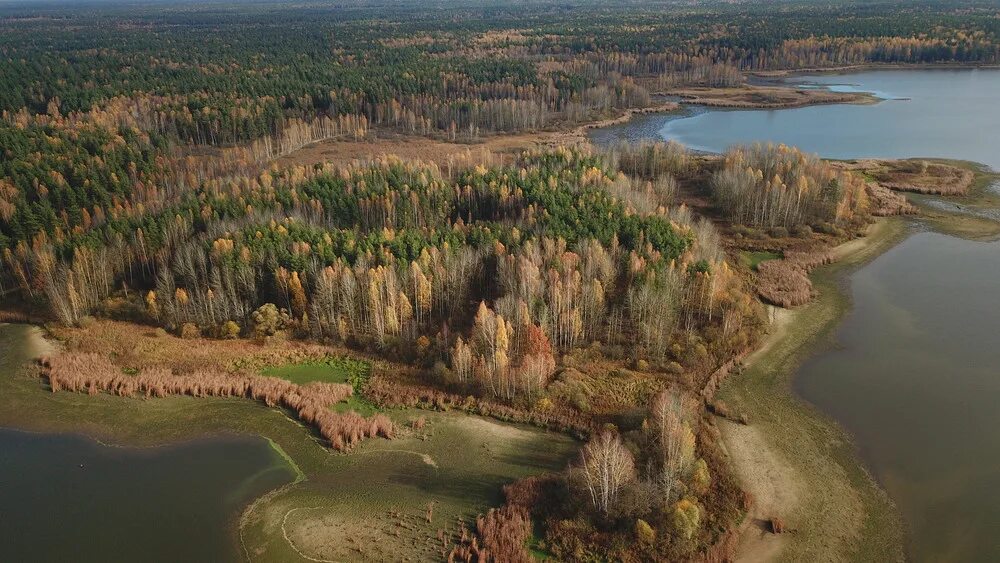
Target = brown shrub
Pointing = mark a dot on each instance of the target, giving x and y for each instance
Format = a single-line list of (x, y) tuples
[(783, 283), (786, 283), (500, 537), (501, 534), (189, 331), (389, 393), (886, 203), (777, 525)]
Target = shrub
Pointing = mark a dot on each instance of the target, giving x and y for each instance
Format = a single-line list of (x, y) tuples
[(190, 330), (686, 518), (268, 320), (229, 330), (644, 532), (802, 231), (92, 373)]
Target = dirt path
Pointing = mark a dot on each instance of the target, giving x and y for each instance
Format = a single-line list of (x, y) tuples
[(763, 472), (773, 483)]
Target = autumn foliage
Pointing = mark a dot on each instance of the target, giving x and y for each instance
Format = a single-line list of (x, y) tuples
[(779, 186)]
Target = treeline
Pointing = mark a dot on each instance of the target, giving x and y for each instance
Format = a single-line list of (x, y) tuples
[(63, 176)]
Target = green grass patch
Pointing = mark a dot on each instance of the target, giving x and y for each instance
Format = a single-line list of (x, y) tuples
[(754, 259), (331, 370), (358, 404), (379, 493)]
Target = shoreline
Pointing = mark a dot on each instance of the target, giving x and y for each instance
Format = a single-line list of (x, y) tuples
[(798, 463), (865, 67), (39, 345), (781, 484)]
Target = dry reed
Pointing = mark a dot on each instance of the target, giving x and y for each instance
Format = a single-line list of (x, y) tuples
[(88, 372)]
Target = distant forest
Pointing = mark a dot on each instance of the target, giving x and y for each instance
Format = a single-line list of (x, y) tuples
[(96, 99)]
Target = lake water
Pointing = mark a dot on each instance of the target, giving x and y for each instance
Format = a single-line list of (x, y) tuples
[(941, 113), (69, 498), (913, 374)]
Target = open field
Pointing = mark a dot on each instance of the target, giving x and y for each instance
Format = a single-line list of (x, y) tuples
[(374, 503), (443, 153)]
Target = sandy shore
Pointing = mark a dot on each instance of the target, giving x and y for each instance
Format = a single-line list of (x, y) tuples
[(37, 344), (776, 458)]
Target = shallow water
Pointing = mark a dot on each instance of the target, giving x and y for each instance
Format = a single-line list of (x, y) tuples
[(913, 376), (940, 113), (69, 498)]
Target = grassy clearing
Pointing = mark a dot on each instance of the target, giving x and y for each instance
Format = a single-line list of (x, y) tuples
[(842, 514), (752, 259), (373, 504), (331, 370)]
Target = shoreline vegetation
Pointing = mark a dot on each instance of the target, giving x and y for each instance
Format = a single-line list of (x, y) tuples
[(790, 447), (863, 67), (776, 472), (798, 463)]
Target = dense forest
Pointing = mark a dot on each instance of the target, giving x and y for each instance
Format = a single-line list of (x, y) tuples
[(138, 180)]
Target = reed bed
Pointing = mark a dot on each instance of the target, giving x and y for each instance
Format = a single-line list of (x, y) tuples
[(92, 373), (786, 283)]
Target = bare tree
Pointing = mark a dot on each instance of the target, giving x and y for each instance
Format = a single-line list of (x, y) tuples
[(675, 439), (608, 466)]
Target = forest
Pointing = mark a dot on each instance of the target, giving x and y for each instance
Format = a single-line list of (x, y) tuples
[(138, 182)]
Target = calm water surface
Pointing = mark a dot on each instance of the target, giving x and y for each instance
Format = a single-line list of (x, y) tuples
[(69, 498), (942, 113), (914, 377), (915, 372)]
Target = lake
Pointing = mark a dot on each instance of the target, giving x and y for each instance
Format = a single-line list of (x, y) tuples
[(940, 113), (913, 377), (912, 373), (69, 498)]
